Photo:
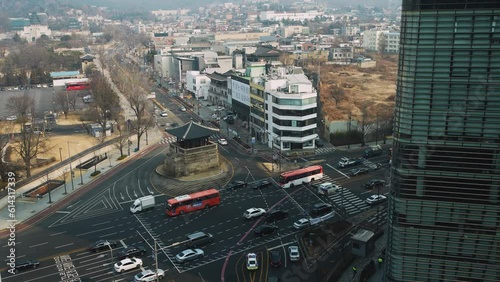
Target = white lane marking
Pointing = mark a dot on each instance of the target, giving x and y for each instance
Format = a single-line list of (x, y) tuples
[(62, 246), (41, 244), (338, 171)]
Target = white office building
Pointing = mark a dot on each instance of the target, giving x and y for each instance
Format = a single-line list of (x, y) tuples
[(198, 84)]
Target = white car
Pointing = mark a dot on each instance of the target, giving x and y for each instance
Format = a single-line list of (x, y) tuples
[(293, 253), (254, 212), (301, 223), (375, 199), (252, 263), (127, 264), (189, 254), (148, 275), (11, 118), (164, 114), (222, 141), (182, 109)]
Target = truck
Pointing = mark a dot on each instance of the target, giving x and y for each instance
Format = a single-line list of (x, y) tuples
[(142, 204), (373, 151), (347, 162)]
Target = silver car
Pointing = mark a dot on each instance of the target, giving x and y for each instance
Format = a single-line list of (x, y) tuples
[(188, 255)]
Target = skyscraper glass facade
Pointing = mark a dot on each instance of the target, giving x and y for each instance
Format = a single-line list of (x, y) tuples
[(444, 208)]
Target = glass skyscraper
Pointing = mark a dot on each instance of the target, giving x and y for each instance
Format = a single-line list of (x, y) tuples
[(444, 208)]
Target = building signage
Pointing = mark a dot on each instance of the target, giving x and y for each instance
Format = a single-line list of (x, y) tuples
[(241, 92)]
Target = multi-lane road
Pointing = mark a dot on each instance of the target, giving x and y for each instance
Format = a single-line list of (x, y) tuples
[(60, 241)]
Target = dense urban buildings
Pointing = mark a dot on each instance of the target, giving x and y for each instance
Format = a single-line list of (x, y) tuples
[(444, 202)]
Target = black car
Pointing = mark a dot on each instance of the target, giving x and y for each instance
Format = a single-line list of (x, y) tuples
[(320, 209), (265, 229), (276, 215), (275, 258), (374, 183), (263, 184), (319, 143), (102, 245), (358, 171), (132, 251), (27, 264), (237, 185)]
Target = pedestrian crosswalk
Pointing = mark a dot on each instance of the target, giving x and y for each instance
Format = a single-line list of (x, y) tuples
[(370, 164), (351, 203), (324, 150), (167, 140)]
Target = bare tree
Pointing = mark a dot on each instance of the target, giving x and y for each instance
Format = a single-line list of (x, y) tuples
[(122, 139), (337, 93), (382, 43), (5, 165), (366, 123), (61, 99), (28, 145), (21, 106), (106, 103), (143, 117)]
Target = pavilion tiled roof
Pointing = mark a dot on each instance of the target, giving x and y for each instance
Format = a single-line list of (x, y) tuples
[(192, 130)]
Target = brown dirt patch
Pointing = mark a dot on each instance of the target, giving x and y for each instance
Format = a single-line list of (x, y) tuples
[(375, 86)]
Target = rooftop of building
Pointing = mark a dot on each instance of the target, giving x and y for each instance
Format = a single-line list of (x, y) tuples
[(57, 74), (192, 130)]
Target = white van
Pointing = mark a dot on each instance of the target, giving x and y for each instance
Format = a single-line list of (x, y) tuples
[(328, 188)]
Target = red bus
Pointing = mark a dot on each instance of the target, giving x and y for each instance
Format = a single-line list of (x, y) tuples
[(298, 176), (77, 86), (192, 202)]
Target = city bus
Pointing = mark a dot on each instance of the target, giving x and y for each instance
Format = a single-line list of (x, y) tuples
[(77, 86), (192, 202), (298, 176)]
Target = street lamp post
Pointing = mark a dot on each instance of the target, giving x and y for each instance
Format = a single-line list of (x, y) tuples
[(64, 177), (81, 175), (71, 169), (60, 153), (109, 157), (111, 249)]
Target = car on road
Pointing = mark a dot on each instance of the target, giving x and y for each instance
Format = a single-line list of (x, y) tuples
[(11, 118), (275, 258), (149, 275), (276, 215), (254, 212), (252, 262), (320, 209), (127, 264), (222, 141), (293, 253), (102, 245), (263, 184), (164, 114), (237, 185), (26, 264), (132, 251), (174, 124), (358, 171), (374, 183), (347, 162), (301, 223), (189, 255), (265, 229), (319, 143), (182, 109), (375, 199)]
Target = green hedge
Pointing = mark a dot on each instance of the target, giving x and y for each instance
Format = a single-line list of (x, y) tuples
[(95, 173)]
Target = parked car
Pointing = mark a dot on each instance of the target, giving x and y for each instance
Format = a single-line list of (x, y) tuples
[(301, 223), (252, 262), (237, 185), (263, 184), (189, 255), (174, 124), (358, 171), (254, 212), (374, 183), (164, 114), (26, 264), (149, 275), (265, 230), (131, 251), (293, 253), (375, 199), (222, 141), (275, 258), (320, 209), (11, 118), (275, 215), (102, 245), (182, 109), (127, 264)]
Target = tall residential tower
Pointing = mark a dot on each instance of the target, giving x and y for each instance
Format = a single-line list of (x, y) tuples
[(444, 208)]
